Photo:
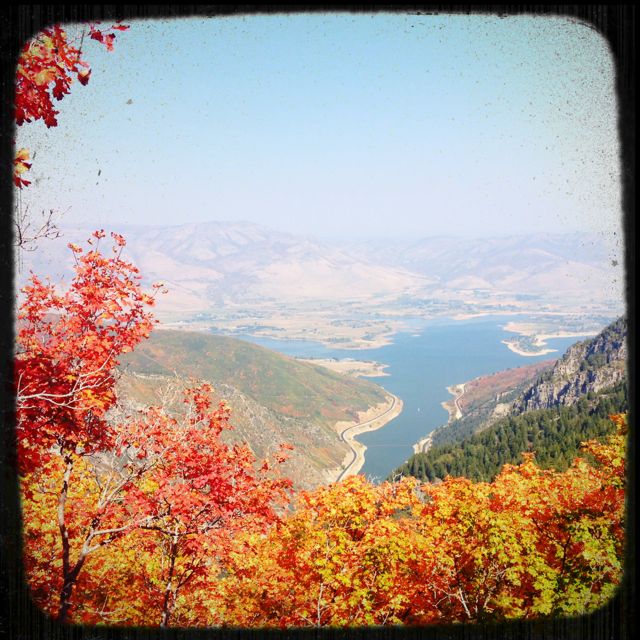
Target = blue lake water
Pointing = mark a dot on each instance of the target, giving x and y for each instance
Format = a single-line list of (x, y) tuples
[(421, 366)]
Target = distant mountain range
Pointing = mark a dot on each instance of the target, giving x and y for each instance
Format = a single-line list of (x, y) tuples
[(208, 264), (543, 264), (242, 266)]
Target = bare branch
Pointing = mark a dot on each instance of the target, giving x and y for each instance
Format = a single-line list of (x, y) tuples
[(29, 229)]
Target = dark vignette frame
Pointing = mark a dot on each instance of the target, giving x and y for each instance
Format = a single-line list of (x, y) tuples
[(22, 620)]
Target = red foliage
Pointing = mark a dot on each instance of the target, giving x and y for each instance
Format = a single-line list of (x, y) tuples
[(68, 346), (90, 480), (198, 493), (45, 71)]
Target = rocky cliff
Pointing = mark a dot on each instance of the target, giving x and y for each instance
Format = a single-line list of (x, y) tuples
[(551, 415), (588, 366)]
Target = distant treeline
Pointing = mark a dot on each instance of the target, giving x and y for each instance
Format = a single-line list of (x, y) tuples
[(554, 435)]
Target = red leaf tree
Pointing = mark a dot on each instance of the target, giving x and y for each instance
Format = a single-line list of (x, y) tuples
[(68, 346), (90, 477), (198, 494), (46, 69)]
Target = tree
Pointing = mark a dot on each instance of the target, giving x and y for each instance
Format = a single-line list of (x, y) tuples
[(90, 477), (200, 529), (198, 494), (149, 521), (343, 558), (68, 346), (531, 543), (72, 508)]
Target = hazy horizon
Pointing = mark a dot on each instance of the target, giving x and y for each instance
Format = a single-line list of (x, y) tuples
[(376, 126), (327, 237)]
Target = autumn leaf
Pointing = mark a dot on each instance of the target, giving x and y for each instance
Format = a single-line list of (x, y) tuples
[(45, 71)]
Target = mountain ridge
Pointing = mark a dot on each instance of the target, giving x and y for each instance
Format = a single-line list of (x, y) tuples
[(222, 260), (587, 366), (273, 398), (583, 386)]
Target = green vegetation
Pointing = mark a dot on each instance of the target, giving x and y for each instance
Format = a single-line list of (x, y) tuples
[(282, 384), (478, 417), (554, 435), (600, 359)]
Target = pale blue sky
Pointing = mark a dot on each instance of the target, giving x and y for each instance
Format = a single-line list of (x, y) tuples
[(340, 125)]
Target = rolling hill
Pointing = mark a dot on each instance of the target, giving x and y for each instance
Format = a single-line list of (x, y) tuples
[(273, 398)]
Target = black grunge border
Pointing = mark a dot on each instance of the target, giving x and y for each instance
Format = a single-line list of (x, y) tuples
[(22, 620)]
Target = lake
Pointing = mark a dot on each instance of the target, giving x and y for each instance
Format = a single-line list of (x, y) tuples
[(421, 365)]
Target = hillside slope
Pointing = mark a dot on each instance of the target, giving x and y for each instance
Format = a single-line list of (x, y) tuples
[(588, 366), (554, 435), (273, 398), (485, 400), (568, 403)]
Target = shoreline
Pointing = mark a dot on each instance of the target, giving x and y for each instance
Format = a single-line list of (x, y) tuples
[(366, 338), (350, 366), (452, 407), (512, 345), (371, 420), (538, 340), (349, 343), (424, 444)]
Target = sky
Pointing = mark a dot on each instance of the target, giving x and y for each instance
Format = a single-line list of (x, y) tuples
[(340, 125)]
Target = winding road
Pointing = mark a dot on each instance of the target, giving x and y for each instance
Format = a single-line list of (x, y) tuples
[(456, 402), (359, 425)]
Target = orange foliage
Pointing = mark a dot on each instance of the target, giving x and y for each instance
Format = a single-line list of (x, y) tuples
[(151, 519), (90, 480), (532, 543)]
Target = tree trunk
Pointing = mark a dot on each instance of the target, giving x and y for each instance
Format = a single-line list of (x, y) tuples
[(67, 589), (169, 593), (69, 574)]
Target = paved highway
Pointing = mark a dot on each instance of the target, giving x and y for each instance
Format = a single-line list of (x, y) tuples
[(359, 426)]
